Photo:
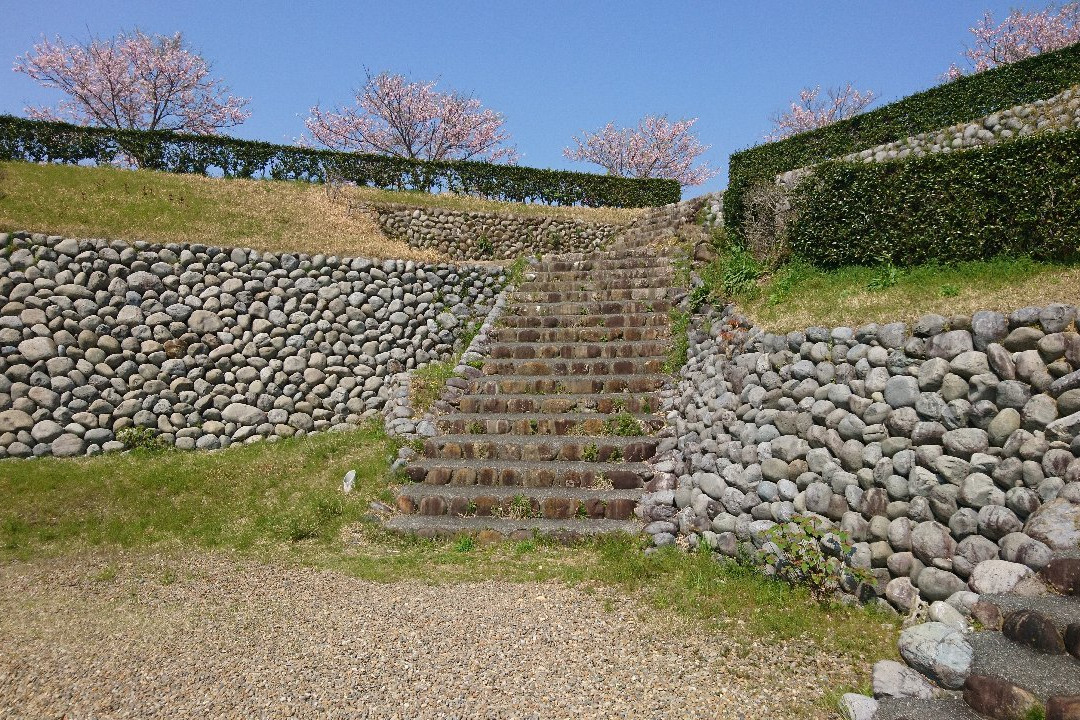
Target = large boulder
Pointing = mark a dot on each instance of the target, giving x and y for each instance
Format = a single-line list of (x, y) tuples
[(1057, 524), (897, 680), (938, 652), (997, 577), (243, 414), (14, 421)]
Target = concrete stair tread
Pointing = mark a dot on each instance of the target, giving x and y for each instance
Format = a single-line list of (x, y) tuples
[(619, 441), (912, 709), (658, 377), (556, 321), (573, 367), (1059, 609), (448, 526), (560, 403), (422, 490), (612, 347), (1042, 675), (569, 465), (578, 416)]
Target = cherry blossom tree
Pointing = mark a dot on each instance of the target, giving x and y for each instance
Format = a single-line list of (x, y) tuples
[(132, 81), (811, 111), (657, 148), (395, 116), (1020, 35)]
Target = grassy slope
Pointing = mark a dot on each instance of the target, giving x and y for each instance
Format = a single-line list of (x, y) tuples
[(267, 215), (281, 502), (796, 297)]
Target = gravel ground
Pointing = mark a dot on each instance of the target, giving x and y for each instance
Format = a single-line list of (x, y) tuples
[(206, 636)]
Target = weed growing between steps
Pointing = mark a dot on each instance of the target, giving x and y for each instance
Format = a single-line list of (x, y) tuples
[(427, 383)]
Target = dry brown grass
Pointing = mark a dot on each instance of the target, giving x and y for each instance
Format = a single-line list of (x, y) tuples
[(276, 216), (162, 207), (447, 201)]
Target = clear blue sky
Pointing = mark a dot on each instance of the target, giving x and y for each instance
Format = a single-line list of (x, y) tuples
[(553, 68)]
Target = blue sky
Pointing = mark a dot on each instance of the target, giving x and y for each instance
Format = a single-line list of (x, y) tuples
[(553, 68)]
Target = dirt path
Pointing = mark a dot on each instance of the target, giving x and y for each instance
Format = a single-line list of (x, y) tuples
[(208, 637)]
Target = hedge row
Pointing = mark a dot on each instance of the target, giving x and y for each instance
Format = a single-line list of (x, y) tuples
[(37, 141), (964, 100), (1016, 198)]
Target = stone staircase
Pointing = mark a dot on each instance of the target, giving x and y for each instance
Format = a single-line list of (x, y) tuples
[(551, 435), (1026, 654)]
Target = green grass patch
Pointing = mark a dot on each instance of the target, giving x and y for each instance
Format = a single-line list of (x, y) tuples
[(282, 502), (796, 295), (680, 340), (427, 384), (245, 497)]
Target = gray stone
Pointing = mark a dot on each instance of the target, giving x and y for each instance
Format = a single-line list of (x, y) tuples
[(997, 577), (901, 391), (243, 414), (1056, 524), (12, 421), (939, 652), (37, 349), (892, 679), (935, 584), (68, 445)]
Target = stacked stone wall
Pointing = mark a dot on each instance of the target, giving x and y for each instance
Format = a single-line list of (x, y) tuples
[(489, 236), (207, 346), (936, 447)]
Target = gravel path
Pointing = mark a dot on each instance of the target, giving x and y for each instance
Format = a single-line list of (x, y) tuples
[(96, 637)]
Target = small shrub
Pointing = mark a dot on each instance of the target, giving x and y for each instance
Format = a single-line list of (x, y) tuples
[(796, 550), (739, 273), (484, 246), (520, 508), (464, 544), (884, 278), (590, 453), (139, 438)]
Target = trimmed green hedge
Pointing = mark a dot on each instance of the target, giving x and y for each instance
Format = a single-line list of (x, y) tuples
[(37, 141), (1020, 197), (964, 100)]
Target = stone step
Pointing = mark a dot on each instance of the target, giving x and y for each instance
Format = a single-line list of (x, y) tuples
[(591, 307), (584, 367), (578, 320), (616, 252), (659, 273), (522, 503), (603, 263), (521, 473), (1040, 674), (946, 708), (586, 296), (533, 448), (1061, 610), (596, 284), (578, 349), (580, 423), (570, 385), (583, 334), (509, 528), (558, 404)]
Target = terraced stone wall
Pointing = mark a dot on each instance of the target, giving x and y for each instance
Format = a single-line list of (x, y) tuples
[(206, 346), (488, 236), (936, 446), (1058, 113)]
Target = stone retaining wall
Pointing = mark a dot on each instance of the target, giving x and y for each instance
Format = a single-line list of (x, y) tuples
[(207, 346), (1061, 112), (936, 446), (489, 236)]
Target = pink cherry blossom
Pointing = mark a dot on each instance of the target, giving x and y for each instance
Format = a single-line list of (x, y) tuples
[(657, 148), (394, 116), (811, 111), (132, 81), (1020, 35)]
